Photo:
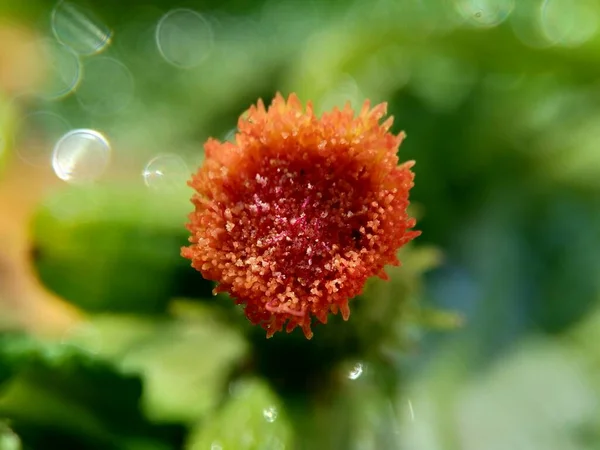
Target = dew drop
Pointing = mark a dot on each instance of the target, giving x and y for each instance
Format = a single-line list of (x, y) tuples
[(356, 371), (81, 156), (166, 172), (184, 38), (78, 29), (270, 414)]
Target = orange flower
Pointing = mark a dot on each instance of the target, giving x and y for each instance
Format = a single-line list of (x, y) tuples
[(294, 217)]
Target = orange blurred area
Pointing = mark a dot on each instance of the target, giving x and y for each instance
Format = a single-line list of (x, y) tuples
[(22, 298), (21, 58)]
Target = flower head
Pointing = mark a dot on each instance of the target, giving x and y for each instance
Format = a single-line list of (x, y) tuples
[(299, 212)]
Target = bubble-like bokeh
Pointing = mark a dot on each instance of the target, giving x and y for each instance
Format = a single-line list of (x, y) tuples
[(79, 29), (62, 70), (527, 26), (184, 38), (568, 23), (484, 13), (107, 88), (81, 156), (36, 133), (166, 172)]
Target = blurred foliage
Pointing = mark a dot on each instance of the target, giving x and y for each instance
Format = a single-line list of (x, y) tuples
[(500, 102), (259, 421), (107, 234), (59, 397)]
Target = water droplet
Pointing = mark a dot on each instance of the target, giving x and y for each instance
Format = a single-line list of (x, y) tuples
[(78, 29), (216, 446), (485, 13), (62, 70), (35, 137), (184, 38), (356, 371), (107, 87), (270, 414), (81, 156), (166, 172)]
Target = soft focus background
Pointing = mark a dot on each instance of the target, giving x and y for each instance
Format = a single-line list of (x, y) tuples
[(485, 339)]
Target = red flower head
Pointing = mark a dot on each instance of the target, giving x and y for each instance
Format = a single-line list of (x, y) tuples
[(294, 217)]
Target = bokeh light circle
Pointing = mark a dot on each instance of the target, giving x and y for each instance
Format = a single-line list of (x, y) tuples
[(184, 38), (107, 87), (81, 156), (568, 23), (62, 70), (78, 29), (166, 172)]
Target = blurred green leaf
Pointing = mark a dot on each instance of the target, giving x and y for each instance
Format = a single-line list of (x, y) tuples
[(252, 419), (8, 439), (115, 248), (58, 396), (184, 362), (538, 396)]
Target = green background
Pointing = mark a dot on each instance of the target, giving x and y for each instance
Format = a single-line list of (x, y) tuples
[(500, 101)]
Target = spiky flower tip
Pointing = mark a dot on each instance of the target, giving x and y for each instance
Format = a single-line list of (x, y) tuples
[(294, 217)]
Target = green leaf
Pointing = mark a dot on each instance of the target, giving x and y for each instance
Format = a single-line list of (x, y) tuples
[(115, 248), (253, 419), (185, 361), (8, 439), (59, 397)]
